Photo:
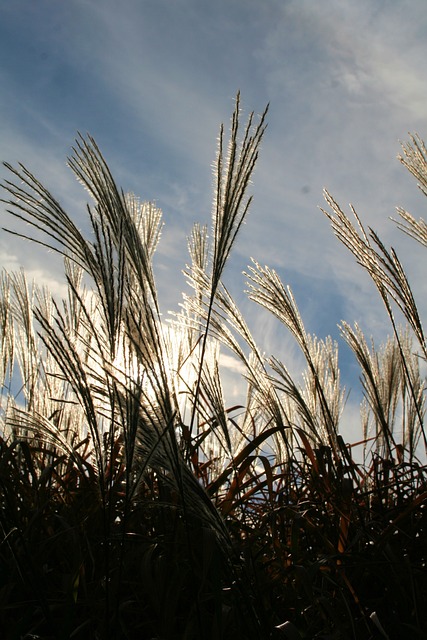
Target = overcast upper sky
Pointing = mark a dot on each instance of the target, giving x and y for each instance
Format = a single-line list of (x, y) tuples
[(152, 80)]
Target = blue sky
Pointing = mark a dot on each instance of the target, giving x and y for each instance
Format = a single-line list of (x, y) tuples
[(152, 80)]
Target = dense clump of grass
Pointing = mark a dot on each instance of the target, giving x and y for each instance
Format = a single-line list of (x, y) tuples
[(134, 503)]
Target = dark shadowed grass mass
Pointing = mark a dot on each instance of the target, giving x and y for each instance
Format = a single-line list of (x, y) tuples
[(134, 503)]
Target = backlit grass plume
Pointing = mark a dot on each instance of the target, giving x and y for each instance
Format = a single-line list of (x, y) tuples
[(134, 502)]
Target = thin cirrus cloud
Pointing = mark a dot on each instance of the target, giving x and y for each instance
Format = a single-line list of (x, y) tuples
[(152, 81)]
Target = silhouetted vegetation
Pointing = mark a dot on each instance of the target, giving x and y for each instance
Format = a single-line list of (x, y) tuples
[(134, 503)]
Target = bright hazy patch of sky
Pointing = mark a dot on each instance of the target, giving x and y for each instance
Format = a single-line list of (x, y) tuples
[(152, 80)]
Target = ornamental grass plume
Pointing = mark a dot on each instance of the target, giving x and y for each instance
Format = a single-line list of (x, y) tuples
[(134, 503)]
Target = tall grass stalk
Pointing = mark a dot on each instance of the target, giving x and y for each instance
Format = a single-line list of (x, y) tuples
[(134, 503)]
